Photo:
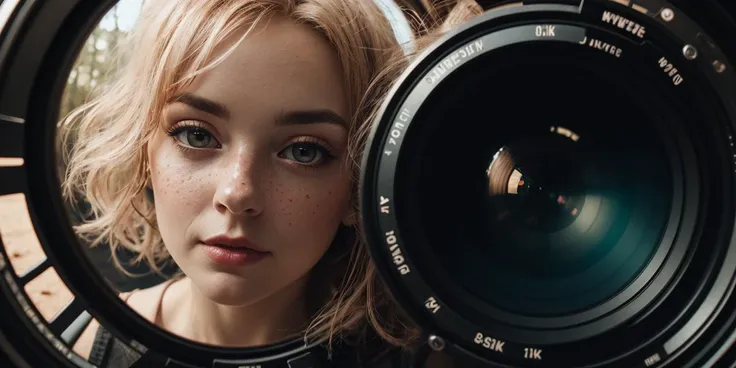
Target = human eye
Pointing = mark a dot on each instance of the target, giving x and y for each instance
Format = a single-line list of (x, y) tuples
[(192, 135), (308, 151)]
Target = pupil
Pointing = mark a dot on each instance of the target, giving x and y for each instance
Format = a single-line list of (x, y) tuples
[(304, 154), (200, 139)]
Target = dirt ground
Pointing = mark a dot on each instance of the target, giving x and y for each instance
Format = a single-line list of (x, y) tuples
[(48, 292)]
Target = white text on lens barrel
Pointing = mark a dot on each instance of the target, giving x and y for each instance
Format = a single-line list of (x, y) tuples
[(489, 342), (532, 353), (384, 205), (398, 128), (396, 254), (625, 24), (451, 61), (432, 305), (652, 360), (605, 47), (671, 71), (545, 31)]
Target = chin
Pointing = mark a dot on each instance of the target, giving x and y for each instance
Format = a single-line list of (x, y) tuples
[(230, 289)]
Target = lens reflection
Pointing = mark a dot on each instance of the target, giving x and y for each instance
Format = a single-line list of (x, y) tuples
[(551, 202)]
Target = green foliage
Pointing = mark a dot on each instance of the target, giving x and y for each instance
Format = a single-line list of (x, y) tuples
[(94, 63)]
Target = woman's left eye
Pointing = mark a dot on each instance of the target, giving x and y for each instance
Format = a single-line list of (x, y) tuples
[(197, 138), (192, 137), (304, 153)]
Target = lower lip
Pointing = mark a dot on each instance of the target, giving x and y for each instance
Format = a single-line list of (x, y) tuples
[(235, 257)]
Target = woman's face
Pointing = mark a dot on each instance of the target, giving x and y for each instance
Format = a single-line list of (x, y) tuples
[(252, 155)]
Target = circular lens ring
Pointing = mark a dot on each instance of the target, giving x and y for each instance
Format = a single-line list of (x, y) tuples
[(397, 264), (440, 278)]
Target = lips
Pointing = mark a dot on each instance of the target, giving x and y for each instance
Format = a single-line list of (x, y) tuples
[(234, 248), (234, 243), (234, 251), (234, 256)]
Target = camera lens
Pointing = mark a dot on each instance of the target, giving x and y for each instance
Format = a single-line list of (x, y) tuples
[(555, 200), (551, 185)]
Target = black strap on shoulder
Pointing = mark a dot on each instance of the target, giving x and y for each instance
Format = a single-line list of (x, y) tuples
[(109, 352), (101, 347)]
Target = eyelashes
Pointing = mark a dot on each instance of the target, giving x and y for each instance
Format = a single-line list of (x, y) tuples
[(192, 137), (308, 151)]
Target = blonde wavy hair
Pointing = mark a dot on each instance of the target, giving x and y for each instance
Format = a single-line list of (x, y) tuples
[(174, 42)]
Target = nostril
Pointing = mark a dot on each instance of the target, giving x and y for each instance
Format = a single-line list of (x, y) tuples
[(221, 207)]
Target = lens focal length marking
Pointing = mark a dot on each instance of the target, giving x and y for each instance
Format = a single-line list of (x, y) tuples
[(545, 31), (397, 255), (384, 205), (397, 130), (670, 71), (603, 46), (489, 343), (623, 23), (453, 60)]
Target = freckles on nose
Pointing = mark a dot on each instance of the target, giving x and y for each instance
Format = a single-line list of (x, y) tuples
[(237, 170), (236, 163), (235, 187)]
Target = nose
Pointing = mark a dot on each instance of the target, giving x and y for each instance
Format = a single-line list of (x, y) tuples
[(238, 190)]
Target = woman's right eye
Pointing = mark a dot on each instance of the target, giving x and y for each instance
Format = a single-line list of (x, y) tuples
[(193, 137)]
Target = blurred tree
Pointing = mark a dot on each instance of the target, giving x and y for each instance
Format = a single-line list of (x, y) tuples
[(93, 67), (94, 63)]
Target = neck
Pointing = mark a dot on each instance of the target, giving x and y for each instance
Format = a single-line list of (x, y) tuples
[(267, 321)]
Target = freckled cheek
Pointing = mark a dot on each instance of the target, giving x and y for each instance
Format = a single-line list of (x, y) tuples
[(177, 186), (312, 207)]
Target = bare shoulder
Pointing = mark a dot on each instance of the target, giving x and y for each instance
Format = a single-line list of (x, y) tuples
[(83, 346), (143, 301)]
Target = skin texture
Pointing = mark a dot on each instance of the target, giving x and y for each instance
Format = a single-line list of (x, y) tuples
[(282, 185)]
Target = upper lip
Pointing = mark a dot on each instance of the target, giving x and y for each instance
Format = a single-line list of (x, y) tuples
[(236, 242)]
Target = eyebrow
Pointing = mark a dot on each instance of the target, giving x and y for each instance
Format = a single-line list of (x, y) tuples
[(299, 117), (296, 117), (203, 104)]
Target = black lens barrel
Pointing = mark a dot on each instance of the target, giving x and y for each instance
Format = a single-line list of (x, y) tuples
[(636, 210)]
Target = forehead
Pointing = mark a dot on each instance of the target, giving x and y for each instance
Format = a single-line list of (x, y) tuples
[(280, 65)]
